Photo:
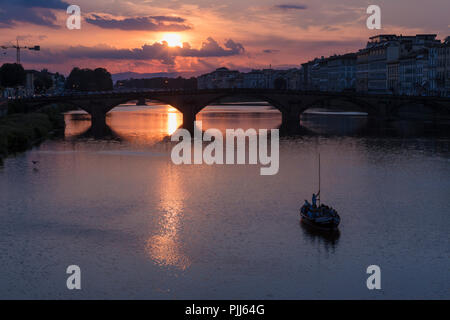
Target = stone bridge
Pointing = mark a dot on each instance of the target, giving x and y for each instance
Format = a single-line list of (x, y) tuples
[(290, 103)]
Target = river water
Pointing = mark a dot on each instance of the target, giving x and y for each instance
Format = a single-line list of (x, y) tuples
[(139, 226)]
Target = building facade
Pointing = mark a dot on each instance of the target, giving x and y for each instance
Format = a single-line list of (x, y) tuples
[(342, 72), (389, 64), (290, 79)]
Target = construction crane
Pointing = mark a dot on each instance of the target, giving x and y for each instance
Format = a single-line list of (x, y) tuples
[(17, 47)]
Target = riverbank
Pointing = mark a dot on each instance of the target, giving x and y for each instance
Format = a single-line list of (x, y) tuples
[(21, 131)]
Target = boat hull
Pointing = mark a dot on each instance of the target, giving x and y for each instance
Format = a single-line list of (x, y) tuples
[(326, 222)]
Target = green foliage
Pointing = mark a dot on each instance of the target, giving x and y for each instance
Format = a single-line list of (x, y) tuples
[(89, 80), (42, 81), (160, 83), (12, 74), (20, 131), (16, 107)]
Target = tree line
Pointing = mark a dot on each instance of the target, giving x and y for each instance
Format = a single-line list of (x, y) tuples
[(14, 75), (159, 83), (99, 79), (89, 80)]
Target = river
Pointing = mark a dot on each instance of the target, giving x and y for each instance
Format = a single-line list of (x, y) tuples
[(139, 226)]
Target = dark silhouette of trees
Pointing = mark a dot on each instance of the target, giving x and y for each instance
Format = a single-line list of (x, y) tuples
[(12, 75), (159, 83), (42, 81), (89, 80)]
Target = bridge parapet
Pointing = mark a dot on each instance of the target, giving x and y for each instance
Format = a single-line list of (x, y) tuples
[(290, 103)]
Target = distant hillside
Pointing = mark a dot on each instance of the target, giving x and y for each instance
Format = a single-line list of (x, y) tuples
[(136, 75)]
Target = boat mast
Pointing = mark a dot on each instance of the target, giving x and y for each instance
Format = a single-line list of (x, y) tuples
[(319, 182)]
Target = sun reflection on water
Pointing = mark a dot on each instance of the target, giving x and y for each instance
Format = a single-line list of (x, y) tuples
[(173, 120), (136, 124), (165, 248)]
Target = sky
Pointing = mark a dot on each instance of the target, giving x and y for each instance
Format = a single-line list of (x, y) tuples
[(192, 37)]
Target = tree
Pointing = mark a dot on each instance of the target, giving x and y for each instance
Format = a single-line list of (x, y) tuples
[(89, 80), (12, 75), (42, 81)]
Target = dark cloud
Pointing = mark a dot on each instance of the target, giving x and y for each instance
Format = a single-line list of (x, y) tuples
[(271, 51), (35, 12), (31, 37), (49, 4), (328, 28), (149, 23), (291, 6), (156, 51)]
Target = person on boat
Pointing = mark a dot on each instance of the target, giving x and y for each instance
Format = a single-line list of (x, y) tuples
[(314, 199), (307, 204)]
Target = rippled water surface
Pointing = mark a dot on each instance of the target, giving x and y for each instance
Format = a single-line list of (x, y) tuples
[(141, 227)]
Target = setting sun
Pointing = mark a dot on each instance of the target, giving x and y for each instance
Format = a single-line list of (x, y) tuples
[(173, 39)]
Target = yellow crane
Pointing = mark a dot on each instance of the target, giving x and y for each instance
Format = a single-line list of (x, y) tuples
[(17, 47)]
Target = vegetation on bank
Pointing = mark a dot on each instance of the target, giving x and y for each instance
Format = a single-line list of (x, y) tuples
[(20, 131)]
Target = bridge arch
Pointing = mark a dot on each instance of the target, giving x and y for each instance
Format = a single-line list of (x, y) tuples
[(258, 97), (240, 111), (360, 105), (420, 109), (190, 104)]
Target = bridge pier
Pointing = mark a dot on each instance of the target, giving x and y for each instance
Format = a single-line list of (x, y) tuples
[(290, 121), (141, 102), (188, 121), (98, 113), (98, 119)]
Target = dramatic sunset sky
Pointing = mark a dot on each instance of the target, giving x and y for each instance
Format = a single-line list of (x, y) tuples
[(201, 35)]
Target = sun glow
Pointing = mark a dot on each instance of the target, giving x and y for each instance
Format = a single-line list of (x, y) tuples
[(174, 120), (172, 39)]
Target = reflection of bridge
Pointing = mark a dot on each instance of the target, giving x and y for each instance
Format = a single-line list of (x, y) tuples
[(290, 103)]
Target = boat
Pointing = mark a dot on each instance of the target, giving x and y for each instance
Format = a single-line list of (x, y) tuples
[(321, 217)]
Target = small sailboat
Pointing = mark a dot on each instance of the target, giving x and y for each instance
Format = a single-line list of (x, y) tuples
[(318, 215)]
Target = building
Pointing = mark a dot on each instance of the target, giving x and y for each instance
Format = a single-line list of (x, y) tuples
[(254, 79), (220, 78), (443, 69), (261, 79), (412, 73), (318, 75), (307, 75), (294, 79), (389, 64), (335, 73), (341, 72), (362, 70), (388, 60)]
